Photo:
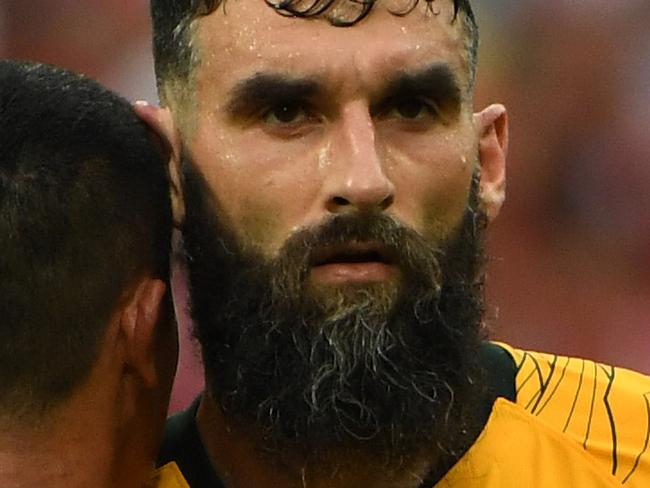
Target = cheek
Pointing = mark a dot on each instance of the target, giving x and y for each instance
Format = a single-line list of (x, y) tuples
[(265, 192), (432, 181), (444, 212)]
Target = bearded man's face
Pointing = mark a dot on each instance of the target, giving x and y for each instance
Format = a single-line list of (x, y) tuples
[(334, 239)]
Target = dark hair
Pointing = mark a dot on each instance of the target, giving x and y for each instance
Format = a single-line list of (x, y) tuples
[(172, 21), (84, 211)]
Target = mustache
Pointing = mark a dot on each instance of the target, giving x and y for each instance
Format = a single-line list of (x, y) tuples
[(343, 228), (379, 232)]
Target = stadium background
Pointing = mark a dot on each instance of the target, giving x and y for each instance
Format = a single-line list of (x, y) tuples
[(570, 254)]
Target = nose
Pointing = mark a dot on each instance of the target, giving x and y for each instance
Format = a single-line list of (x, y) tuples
[(357, 181)]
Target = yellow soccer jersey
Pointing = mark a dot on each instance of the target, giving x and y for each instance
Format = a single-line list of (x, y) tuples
[(576, 423), (603, 409), (168, 476), (516, 450)]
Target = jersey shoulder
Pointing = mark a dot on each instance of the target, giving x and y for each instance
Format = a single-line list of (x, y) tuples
[(515, 449), (603, 408)]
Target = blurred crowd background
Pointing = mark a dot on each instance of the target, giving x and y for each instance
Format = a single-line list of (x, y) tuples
[(569, 270)]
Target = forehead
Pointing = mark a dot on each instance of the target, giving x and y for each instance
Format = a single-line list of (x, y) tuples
[(248, 37)]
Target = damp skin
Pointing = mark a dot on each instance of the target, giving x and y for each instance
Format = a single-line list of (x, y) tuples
[(272, 174)]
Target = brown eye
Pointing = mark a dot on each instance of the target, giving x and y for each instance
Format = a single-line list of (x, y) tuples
[(286, 113), (411, 108)]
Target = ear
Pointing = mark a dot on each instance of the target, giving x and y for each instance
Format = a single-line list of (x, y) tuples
[(140, 321), (492, 127), (161, 123)]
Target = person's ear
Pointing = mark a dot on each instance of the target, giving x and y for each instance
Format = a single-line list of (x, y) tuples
[(161, 123), (492, 127), (140, 320)]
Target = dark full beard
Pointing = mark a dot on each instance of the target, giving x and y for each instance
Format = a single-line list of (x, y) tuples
[(324, 368)]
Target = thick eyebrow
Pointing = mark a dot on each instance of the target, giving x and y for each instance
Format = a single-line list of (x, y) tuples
[(436, 81), (264, 90)]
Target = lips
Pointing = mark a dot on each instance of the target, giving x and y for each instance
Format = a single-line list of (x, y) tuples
[(354, 252)]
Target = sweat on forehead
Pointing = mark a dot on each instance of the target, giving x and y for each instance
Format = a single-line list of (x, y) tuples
[(173, 20)]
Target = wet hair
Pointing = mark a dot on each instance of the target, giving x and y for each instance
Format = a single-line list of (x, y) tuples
[(84, 212), (175, 56)]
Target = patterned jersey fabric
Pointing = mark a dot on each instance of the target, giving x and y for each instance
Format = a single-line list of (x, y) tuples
[(603, 409)]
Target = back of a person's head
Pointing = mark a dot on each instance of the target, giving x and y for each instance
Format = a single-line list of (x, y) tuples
[(84, 212)]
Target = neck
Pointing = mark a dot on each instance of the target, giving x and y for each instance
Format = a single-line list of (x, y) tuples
[(96, 438), (70, 448), (240, 460)]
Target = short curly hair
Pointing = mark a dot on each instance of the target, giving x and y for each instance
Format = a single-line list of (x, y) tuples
[(173, 19)]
